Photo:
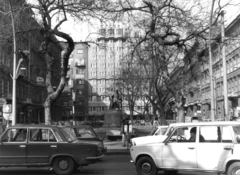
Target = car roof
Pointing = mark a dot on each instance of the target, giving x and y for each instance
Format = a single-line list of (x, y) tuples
[(77, 126), (33, 125), (224, 123), (163, 126)]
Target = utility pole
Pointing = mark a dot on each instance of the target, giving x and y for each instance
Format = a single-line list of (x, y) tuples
[(225, 87), (210, 64), (14, 96)]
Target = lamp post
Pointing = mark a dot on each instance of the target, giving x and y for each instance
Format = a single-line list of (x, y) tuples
[(210, 63), (24, 56), (73, 105)]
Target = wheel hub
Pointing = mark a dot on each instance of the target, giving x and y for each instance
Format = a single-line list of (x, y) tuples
[(237, 172), (146, 167), (63, 164)]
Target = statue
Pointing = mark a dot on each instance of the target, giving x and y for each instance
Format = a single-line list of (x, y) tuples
[(113, 117), (115, 101)]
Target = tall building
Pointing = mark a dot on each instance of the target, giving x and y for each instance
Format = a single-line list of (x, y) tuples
[(75, 94), (31, 91), (104, 61)]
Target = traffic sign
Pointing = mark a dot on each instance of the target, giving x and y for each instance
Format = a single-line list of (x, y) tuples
[(7, 108)]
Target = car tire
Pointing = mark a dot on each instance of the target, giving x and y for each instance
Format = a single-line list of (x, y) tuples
[(76, 166), (63, 165), (146, 166), (170, 171), (234, 169)]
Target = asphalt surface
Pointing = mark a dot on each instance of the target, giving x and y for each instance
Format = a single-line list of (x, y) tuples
[(110, 165)]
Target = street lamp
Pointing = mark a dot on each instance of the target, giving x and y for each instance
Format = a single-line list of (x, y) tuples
[(24, 56)]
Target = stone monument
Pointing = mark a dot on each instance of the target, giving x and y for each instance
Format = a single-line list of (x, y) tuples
[(113, 117)]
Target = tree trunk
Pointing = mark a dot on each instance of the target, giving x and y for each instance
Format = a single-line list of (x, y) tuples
[(180, 114), (162, 117), (48, 117)]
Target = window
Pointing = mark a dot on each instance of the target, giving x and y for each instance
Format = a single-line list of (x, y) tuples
[(80, 92), (181, 135), (79, 51), (80, 81), (79, 71), (85, 133), (42, 135), (236, 130), (94, 98), (15, 135), (211, 133)]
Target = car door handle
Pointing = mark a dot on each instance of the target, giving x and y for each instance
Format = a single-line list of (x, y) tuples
[(191, 147), (228, 148), (53, 146), (22, 146)]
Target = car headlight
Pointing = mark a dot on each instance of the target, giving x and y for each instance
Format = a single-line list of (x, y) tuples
[(132, 143), (100, 149)]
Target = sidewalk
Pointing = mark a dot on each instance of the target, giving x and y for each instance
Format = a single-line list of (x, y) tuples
[(115, 147)]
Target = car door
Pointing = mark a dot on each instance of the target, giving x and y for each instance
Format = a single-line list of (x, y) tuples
[(13, 146), (216, 147), (42, 145), (178, 152)]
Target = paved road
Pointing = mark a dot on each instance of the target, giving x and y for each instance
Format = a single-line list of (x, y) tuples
[(110, 165)]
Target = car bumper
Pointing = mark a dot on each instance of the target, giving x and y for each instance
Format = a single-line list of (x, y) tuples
[(95, 158)]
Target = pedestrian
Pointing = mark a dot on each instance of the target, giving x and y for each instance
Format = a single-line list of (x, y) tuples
[(155, 122)]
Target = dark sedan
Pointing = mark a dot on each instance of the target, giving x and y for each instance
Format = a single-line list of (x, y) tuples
[(87, 133), (44, 145)]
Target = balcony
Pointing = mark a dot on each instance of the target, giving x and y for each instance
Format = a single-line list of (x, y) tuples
[(80, 64)]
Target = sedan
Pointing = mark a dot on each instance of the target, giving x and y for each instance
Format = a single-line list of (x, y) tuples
[(44, 145)]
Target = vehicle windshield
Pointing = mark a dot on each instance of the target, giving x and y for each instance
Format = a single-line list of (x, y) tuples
[(68, 134), (162, 131), (169, 131), (153, 131)]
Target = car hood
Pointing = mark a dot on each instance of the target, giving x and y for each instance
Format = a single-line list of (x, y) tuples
[(148, 139)]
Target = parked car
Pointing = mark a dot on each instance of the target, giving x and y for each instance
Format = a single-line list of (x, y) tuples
[(157, 135), (44, 145), (214, 147), (87, 133), (159, 130)]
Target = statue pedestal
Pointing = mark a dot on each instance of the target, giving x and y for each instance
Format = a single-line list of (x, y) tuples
[(113, 119)]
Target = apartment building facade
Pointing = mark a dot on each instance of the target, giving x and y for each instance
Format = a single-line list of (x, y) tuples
[(75, 94), (31, 91), (103, 65), (198, 102)]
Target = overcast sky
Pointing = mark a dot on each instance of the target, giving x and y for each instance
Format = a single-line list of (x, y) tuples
[(81, 31)]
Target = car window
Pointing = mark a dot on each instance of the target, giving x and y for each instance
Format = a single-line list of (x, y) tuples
[(226, 135), (85, 133), (216, 134), (68, 134), (153, 131), (163, 131), (42, 135), (58, 135), (15, 135), (236, 130), (210, 133), (181, 134)]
